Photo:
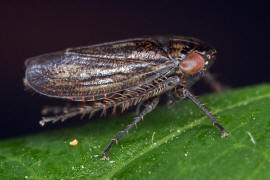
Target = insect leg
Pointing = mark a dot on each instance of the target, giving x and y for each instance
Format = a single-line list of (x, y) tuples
[(189, 95), (213, 83), (53, 110), (148, 107), (173, 96), (137, 112), (171, 100), (67, 113)]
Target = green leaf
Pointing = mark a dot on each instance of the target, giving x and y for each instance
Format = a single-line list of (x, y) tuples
[(175, 143)]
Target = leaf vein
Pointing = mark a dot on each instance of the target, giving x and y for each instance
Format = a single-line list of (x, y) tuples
[(174, 134)]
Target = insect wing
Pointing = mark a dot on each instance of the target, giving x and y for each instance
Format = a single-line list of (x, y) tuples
[(97, 70)]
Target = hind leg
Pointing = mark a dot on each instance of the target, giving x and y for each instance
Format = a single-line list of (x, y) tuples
[(66, 113)]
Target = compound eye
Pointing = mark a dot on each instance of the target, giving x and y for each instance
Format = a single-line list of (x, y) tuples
[(192, 64)]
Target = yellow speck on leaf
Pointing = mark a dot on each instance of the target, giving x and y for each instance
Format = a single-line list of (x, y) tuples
[(74, 142)]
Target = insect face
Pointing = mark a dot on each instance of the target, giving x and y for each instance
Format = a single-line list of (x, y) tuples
[(195, 63), (193, 57)]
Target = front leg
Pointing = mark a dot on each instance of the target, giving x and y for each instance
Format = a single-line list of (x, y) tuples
[(189, 95), (214, 84), (173, 96), (148, 107)]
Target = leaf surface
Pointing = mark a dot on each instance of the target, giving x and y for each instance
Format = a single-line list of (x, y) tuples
[(175, 143)]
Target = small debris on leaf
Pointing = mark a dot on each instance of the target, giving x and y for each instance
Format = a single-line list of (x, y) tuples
[(74, 142), (251, 137)]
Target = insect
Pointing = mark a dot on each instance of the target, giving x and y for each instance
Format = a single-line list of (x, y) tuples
[(121, 74)]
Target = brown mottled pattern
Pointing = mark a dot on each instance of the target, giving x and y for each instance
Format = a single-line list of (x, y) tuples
[(92, 71), (95, 70), (140, 49)]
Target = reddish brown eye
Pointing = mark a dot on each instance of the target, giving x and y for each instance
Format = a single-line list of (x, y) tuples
[(192, 64)]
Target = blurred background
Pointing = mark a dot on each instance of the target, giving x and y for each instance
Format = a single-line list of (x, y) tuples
[(240, 32)]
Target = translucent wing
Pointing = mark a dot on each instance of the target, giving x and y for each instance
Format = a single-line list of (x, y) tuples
[(99, 69)]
